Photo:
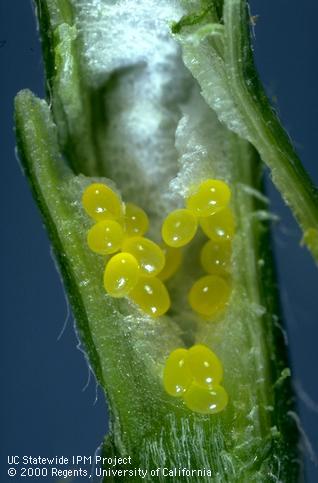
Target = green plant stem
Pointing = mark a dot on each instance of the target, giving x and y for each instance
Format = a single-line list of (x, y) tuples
[(255, 439)]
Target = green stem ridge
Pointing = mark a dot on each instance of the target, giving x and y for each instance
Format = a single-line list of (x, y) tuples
[(267, 134), (255, 439), (241, 103)]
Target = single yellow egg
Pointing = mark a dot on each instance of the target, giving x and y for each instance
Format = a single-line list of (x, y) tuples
[(149, 255), (220, 226), (209, 295), (179, 228), (101, 203), (206, 401), (210, 196), (121, 275), (176, 375), (216, 257), (136, 221), (151, 295), (205, 366), (105, 237), (173, 257)]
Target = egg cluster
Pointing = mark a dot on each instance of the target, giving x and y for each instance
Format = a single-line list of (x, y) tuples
[(195, 375), (207, 206), (136, 261), (136, 268), (141, 266)]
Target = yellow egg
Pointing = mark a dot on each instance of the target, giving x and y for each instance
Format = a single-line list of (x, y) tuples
[(220, 226), (205, 366), (206, 401), (208, 295), (149, 255), (105, 237), (101, 202), (176, 376), (216, 257), (136, 221), (121, 275), (173, 257), (179, 228), (209, 197), (151, 295)]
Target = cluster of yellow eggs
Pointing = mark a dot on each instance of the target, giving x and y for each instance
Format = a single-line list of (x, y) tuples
[(137, 268), (206, 206), (195, 375)]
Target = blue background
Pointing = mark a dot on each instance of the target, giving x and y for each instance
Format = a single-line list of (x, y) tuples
[(44, 409)]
